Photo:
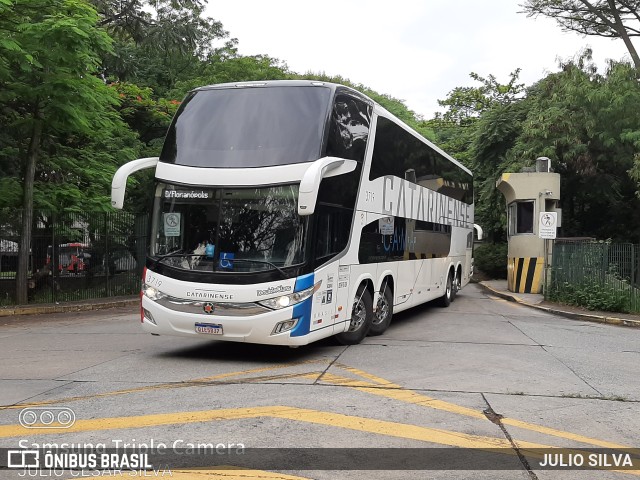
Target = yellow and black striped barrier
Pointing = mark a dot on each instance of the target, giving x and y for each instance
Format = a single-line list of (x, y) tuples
[(524, 275)]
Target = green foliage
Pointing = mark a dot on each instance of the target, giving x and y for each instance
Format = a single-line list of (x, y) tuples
[(592, 296), (496, 132), (159, 43), (147, 116), (230, 67), (82, 137), (464, 104), (491, 259), (587, 123), (634, 172), (478, 128), (584, 121)]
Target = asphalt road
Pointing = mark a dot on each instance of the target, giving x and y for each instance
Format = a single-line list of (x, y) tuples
[(482, 374)]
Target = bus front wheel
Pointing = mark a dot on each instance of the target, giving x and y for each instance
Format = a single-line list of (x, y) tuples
[(361, 318)]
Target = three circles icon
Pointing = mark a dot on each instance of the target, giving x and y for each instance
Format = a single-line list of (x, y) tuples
[(47, 417)]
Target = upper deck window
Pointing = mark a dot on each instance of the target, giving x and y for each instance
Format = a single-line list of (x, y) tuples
[(349, 128), (248, 127), (397, 152)]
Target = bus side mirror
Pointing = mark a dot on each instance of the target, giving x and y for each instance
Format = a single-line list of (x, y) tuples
[(119, 182), (478, 230), (310, 183)]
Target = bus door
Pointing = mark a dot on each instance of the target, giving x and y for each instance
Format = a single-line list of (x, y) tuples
[(331, 236)]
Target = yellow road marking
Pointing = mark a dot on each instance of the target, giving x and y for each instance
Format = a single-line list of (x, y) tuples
[(362, 424), (231, 473), (185, 384), (142, 421), (218, 473), (369, 425), (380, 387), (407, 396), (396, 392), (257, 370), (363, 374)]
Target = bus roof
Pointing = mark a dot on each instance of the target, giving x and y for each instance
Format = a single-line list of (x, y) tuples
[(278, 83), (333, 86)]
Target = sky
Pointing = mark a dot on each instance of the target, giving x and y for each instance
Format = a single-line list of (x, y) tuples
[(416, 51)]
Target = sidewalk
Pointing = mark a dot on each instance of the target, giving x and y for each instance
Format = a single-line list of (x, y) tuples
[(81, 306), (534, 300)]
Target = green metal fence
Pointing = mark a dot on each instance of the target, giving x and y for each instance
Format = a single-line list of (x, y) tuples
[(74, 256), (596, 275)]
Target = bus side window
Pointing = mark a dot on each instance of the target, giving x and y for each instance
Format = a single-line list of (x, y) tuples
[(332, 232)]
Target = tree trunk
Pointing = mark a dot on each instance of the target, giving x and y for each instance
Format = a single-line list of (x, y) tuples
[(22, 275), (622, 31)]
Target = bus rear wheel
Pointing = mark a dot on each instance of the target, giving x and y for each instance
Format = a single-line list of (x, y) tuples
[(384, 313), (361, 318), (447, 298), (456, 286)]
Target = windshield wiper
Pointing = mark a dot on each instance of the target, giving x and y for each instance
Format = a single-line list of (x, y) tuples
[(173, 253), (264, 262)]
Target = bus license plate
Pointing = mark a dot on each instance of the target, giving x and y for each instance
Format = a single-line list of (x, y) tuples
[(209, 328)]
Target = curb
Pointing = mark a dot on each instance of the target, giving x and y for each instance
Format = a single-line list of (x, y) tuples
[(64, 308), (588, 317)]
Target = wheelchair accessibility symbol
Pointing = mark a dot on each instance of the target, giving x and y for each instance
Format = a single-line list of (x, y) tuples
[(226, 260)]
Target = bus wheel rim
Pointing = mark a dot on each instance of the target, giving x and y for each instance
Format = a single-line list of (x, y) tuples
[(358, 316), (381, 311)]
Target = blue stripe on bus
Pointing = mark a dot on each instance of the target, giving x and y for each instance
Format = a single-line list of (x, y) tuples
[(303, 282), (302, 311)]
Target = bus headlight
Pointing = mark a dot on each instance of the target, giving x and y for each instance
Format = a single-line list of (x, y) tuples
[(287, 300), (152, 293)]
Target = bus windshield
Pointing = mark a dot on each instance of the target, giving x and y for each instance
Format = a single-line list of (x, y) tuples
[(248, 127), (227, 229)]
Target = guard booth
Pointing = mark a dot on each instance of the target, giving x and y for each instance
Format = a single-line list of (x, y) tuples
[(532, 217)]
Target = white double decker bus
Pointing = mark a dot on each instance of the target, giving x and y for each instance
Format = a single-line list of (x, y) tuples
[(290, 211)]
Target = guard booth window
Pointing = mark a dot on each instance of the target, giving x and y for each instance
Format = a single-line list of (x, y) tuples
[(521, 217)]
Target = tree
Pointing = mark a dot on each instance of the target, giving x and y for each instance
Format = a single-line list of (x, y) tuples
[(634, 172), (587, 124), (158, 43), (465, 104), (479, 126), (455, 128), (228, 66), (604, 18), (49, 90), (172, 24), (495, 135)]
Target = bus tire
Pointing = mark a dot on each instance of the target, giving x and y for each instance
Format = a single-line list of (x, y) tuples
[(383, 314), (446, 299), (456, 286), (361, 318)]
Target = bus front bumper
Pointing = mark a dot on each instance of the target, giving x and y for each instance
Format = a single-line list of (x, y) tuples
[(160, 320)]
